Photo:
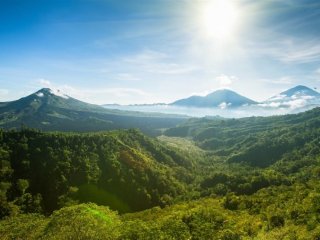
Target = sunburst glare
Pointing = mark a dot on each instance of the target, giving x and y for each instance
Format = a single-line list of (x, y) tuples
[(220, 18)]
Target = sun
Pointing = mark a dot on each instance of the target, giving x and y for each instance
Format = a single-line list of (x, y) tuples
[(220, 18)]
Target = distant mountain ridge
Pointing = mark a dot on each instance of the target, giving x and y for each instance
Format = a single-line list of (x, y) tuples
[(295, 92), (300, 90), (51, 110), (229, 104), (296, 97), (221, 98)]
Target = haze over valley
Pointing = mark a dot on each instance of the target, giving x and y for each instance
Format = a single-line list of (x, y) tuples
[(227, 103)]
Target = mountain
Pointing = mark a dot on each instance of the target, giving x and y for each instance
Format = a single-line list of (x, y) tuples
[(296, 98), (221, 98), (47, 97), (51, 110), (300, 91)]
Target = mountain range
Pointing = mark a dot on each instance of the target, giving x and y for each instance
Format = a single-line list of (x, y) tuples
[(298, 96), (51, 110), (229, 104)]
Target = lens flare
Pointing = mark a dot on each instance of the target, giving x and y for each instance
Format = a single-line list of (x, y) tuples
[(220, 18)]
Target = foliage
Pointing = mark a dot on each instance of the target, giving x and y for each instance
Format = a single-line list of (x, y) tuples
[(123, 169), (252, 178)]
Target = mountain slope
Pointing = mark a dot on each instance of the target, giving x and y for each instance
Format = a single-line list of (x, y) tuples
[(299, 97), (300, 91), (258, 141), (123, 169), (220, 98), (51, 110)]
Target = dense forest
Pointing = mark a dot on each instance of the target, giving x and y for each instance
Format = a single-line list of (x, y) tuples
[(125, 170), (250, 178)]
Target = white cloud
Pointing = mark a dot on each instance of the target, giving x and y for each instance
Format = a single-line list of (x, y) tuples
[(226, 81), (224, 105), (293, 102), (270, 104), (297, 103)]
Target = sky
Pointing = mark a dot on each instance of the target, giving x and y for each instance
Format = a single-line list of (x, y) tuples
[(143, 51)]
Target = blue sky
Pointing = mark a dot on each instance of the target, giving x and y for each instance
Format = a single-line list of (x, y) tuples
[(142, 51)]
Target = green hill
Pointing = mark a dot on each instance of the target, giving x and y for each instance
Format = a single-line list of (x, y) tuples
[(123, 169), (258, 141)]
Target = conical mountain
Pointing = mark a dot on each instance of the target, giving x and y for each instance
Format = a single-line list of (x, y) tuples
[(299, 98), (295, 93), (300, 91), (221, 98), (46, 98), (49, 109)]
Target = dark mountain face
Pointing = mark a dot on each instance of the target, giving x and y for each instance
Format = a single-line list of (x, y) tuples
[(47, 98), (221, 98), (54, 111)]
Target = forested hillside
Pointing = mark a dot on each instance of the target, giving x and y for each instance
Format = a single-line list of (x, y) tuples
[(41, 172), (251, 178), (257, 141)]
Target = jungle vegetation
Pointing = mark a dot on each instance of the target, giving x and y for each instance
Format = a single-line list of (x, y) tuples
[(250, 178)]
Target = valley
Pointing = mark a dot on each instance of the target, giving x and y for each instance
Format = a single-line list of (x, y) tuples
[(248, 178)]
